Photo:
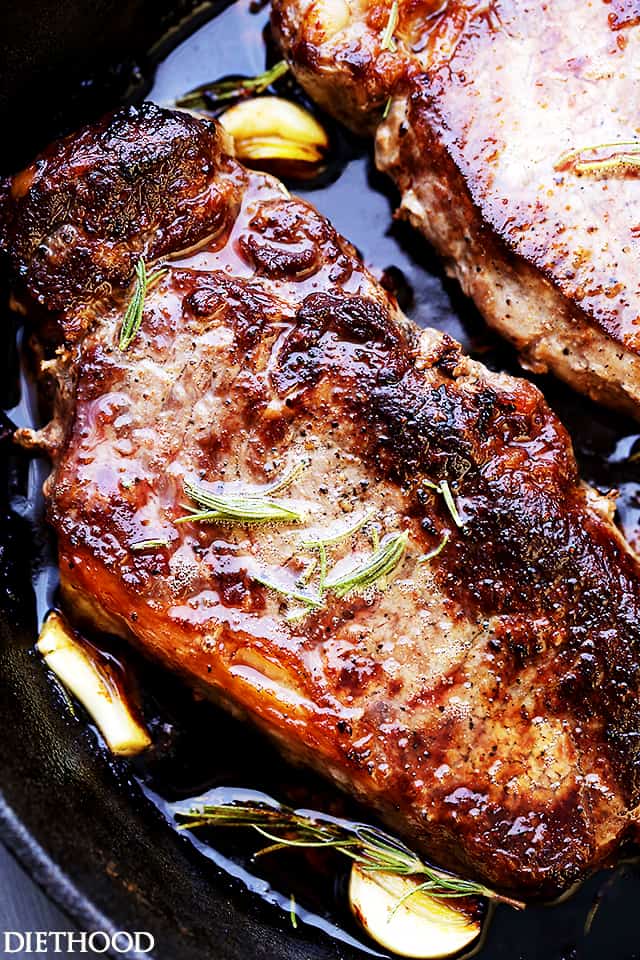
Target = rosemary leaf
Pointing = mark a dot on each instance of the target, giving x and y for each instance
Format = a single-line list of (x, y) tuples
[(292, 912), (375, 537), (379, 564), (387, 107), (623, 156), (133, 314), (447, 496), (371, 848), (242, 509), (342, 535), (210, 94), (141, 545), (306, 575), (425, 558), (308, 599), (292, 473), (444, 490), (388, 42), (295, 616)]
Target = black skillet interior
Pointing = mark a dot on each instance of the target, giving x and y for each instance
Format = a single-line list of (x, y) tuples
[(86, 826)]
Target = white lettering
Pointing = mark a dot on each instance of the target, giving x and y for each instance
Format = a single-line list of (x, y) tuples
[(41, 941), (80, 939), (106, 941), (68, 942), (117, 939), (55, 935), (18, 941), (138, 941)]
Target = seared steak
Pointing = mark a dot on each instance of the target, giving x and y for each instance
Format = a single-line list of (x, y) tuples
[(487, 98), (482, 696)]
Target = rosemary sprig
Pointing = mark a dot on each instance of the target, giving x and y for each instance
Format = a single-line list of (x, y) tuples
[(300, 596), (371, 848), (388, 42), (291, 473), (210, 94), (133, 314), (152, 544), (384, 559), (379, 564), (444, 490), (342, 535), (447, 496), (426, 557), (625, 158), (243, 509), (306, 574)]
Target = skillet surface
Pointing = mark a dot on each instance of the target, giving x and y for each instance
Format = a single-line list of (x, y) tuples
[(83, 824)]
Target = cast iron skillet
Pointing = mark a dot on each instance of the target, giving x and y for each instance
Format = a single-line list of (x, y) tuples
[(81, 823)]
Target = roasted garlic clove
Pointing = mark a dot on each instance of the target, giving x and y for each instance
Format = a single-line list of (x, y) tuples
[(276, 132), (78, 668), (417, 926)]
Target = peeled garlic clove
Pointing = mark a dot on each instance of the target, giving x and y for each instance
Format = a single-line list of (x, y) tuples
[(272, 148), (77, 667), (273, 129), (274, 117), (420, 926)]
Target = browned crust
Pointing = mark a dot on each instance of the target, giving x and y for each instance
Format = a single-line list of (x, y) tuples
[(76, 238)]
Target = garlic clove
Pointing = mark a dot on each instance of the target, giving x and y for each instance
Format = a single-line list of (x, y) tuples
[(274, 116), (419, 926), (272, 129), (273, 148), (78, 668)]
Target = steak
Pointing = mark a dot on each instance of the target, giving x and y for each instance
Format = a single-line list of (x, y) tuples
[(480, 691), (487, 102)]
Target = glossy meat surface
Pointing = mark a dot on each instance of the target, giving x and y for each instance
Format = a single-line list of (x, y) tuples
[(484, 701), (487, 99)]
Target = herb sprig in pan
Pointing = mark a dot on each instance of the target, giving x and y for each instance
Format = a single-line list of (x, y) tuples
[(340, 536), (373, 568), (621, 157), (444, 490), (245, 509), (369, 572), (388, 42), (371, 848), (208, 95), (156, 543), (321, 544), (132, 319), (237, 509), (427, 557), (308, 601), (249, 508)]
